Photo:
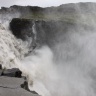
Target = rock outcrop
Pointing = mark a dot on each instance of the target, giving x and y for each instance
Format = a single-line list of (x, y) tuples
[(11, 85), (65, 12), (14, 72), (21, 28), (46, 32)]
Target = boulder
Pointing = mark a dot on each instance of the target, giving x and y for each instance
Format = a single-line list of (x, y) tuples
[(14, 72)]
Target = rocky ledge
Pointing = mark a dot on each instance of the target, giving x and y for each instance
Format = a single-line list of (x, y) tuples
[(13, 84)]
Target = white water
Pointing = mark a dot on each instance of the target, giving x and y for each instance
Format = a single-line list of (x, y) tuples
[(12, 50), (70, 71)]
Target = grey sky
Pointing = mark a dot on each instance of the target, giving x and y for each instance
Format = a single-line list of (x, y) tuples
[(42, 3)]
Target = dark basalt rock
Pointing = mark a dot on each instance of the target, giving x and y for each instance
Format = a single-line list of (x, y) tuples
[(21, 28), (0, 66), (9, 82), (14, 72), (25, 86), (18, 73), (47, 32), (1, 70)]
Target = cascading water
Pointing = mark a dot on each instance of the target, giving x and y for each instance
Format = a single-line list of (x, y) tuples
[(67, 67), (12, 49)]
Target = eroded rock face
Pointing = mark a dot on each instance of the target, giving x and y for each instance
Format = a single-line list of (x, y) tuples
[(21, 28), (63, 12), (45, 31)]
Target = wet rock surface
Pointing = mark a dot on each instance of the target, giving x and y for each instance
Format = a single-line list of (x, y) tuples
[(45, 31), (21, 28), (11, 85), (14, 72)]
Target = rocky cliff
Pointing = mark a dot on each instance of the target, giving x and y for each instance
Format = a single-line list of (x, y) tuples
[(65, 12), (51, 22)]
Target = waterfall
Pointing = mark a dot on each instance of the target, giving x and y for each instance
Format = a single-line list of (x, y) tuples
[(60, 57)]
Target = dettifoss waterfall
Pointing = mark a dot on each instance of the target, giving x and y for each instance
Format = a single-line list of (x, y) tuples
[(63, 65)]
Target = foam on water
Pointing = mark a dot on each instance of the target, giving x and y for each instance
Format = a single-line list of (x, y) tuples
[(11, 49)]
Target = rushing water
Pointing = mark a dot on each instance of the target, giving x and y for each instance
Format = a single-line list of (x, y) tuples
[(68, 68)]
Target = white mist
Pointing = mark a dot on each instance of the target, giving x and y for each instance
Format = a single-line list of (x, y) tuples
[(69, 73)]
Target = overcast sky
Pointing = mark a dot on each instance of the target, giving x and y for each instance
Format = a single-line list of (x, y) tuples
[(42, 3)]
